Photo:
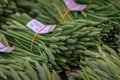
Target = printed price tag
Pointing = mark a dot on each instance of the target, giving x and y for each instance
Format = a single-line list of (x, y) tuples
[(5, 49), (39, 28), (35, 25), (71, 5)]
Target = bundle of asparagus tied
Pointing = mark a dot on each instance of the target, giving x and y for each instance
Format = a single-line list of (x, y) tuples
[(101, 65), (108, 11), (23, 65), (18, 53)]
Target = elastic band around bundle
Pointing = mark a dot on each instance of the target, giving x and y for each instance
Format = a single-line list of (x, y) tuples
[(90, 1), (33, 39), (66, 12)]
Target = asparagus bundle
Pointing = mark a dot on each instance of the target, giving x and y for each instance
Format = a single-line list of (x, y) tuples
[(101, 65), (25, 69), (18, 53), (49, 11), (62, 47), (110, 15)]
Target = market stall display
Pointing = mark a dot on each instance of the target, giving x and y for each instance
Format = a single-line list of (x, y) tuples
[(41, 39)]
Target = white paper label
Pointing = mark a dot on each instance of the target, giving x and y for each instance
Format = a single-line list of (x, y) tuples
[(5, 49), (40, 28), (35, 25), (71, 5)]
